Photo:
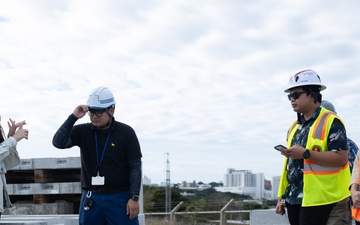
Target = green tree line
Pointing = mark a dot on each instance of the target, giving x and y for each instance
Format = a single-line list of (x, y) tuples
[(197, 201)]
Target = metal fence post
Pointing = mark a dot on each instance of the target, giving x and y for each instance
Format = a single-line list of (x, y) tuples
[(172, 213), (222, 213)]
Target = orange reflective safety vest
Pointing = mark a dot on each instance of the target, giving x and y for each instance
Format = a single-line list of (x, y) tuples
[(355, 213), (322, 184)]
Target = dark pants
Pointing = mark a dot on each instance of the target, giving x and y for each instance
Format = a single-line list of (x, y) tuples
[(106, 209), (314, 215)]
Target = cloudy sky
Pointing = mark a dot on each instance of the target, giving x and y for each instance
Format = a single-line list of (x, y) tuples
[(200, 80)]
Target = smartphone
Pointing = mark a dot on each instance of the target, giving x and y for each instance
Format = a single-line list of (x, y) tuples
[(280, 147)]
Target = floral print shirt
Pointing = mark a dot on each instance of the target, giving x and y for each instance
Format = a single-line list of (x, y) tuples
[(353, 150)]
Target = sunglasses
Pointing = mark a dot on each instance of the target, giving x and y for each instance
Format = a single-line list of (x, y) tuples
[(97, 113), (295, 95)]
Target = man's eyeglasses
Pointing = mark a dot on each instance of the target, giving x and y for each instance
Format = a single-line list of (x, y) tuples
[(97, 113), (295, 95)]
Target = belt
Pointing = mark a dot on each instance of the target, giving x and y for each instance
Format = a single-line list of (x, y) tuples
[(104, 190)]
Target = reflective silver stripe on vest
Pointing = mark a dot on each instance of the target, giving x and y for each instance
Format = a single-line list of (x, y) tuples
[(315, 168), (321, 124), (317, 135)]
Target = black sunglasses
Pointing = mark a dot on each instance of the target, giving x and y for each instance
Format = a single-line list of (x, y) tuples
[(295, 95), (97, 113)]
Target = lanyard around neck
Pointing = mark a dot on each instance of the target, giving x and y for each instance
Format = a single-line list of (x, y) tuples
[(98, 162)]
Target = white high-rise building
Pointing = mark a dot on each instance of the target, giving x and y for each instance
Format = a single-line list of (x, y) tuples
[(239, 178), (275, 186), (146, 180), (244, 182)]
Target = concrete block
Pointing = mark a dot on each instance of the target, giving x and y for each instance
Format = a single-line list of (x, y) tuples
[(22, 189), (61, 219), (52, 209), (23, 222), (71, 220), (70, 188), (10, 189), (45, 188), (25, 164), (31, 219), (56, 163)]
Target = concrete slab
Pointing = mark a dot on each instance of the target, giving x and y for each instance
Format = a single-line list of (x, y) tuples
[(23, 222), (50, 209), (267, 217), (40, 219)]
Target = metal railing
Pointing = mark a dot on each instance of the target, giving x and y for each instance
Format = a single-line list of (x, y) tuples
[(222, 214)]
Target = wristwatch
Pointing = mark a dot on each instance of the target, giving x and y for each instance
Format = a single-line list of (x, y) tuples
[(306, 154), (135, 198)]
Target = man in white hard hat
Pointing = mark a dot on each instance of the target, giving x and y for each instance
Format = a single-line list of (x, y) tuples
[(110, 162), (316, 172), (341, 214)]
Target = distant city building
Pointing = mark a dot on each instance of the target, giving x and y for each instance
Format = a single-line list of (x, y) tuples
[(204, 186), (247, 183), (193, 186), (275, 186), (187, 194), (239, 178), (146, 181), (235, 181), (163, 184), (184, 184)]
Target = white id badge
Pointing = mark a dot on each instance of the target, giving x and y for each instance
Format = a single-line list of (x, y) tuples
[(98, 180)]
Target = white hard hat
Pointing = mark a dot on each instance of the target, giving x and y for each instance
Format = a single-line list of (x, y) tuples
[(101, 98), (304, 78)]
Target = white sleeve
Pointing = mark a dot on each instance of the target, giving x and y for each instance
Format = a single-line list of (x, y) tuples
[(6, 147)]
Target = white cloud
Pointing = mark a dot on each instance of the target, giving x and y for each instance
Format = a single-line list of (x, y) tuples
[(202, 80)]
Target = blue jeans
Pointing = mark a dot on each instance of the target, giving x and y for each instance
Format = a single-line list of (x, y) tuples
[(106, 209)]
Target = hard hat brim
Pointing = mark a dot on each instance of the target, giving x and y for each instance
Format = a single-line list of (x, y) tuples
[(322, 87), (100, 108)]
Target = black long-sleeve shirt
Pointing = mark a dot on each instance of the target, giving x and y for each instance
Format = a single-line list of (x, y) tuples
[(121, 164)]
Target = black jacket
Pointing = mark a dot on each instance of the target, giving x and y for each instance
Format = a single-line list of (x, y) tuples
[(120, 164)]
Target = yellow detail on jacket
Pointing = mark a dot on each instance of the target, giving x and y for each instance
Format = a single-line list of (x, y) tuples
[(322, 184)]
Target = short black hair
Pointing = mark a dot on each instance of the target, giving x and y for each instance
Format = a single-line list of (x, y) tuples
[(313, 91)]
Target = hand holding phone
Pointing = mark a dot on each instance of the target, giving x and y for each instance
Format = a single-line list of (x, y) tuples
[(280, 147)]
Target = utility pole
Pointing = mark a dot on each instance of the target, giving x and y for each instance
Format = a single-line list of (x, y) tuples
[(168, 186)]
